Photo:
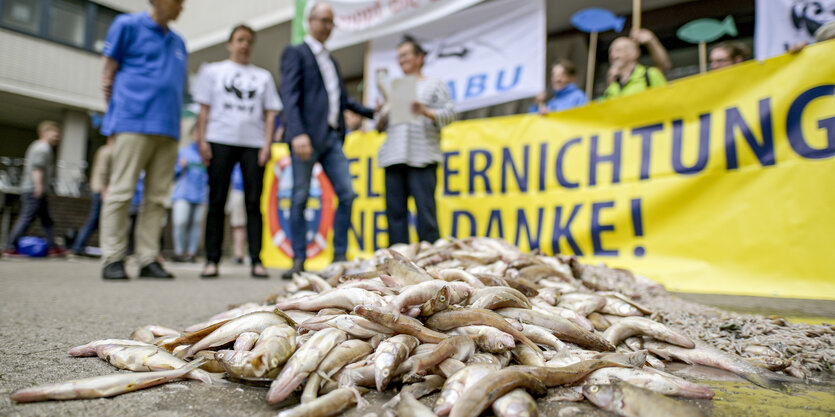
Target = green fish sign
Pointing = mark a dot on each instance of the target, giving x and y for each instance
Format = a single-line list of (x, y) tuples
[(706, 30)]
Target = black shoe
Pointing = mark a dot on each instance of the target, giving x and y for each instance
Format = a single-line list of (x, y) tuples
[(339, 258), (154, 270), (298, 266), (115, 271)]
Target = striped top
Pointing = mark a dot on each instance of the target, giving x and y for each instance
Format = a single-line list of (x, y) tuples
[(418, 144)]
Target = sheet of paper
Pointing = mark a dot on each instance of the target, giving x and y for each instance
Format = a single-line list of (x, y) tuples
[(403, 93)]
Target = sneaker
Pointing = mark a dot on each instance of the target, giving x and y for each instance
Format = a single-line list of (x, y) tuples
[(154, 270)]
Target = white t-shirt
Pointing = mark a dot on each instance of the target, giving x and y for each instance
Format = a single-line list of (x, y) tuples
[(237, 96)]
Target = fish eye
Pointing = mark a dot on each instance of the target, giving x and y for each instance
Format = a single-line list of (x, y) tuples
[(442, 298), (385, 372), (594, 388)]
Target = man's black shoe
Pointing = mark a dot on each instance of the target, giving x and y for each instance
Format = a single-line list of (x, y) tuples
[(115, 271), (298, 266), (154, 270), (339, 258)]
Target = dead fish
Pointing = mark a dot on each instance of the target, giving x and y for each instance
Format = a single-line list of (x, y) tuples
[(707, 356), (526, 356), (542, 336), (403, 270), (400, 324), (345, 299), (582, 303), (461, 275), (275, 345), (419, 390), (227, 315), (556, 376), (411, 407), (477, 397), (564, 329), (651, 379), (451, 319), (618, 307), (516, 403), (246, 341), (565, 313), (457, 382), (150, 333), (600, 322), (90, 348), (147, 359), (439, 302), (492, 298), (229, 331), (572, 394), (631, 326), (456, 347), (101, 386), (391, 353), (489, 339), (628, 400), (304, 361), (331, 404), (346, 352)]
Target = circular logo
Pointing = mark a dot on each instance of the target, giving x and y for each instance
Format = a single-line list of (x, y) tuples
[(318, 215)]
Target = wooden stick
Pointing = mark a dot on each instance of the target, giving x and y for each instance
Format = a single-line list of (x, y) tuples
[(590, 69), (702, 57), (636, 14)]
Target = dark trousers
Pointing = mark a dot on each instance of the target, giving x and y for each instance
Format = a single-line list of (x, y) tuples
[(90, 225), (401, 182), (33, 208), (224, 158), (335, 165)]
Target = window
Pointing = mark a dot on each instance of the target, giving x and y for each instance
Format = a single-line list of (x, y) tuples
[(79, 23), (104, 18), (66, 21), (23, 15)]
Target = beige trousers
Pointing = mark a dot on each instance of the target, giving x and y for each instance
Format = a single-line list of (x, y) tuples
[(132, 154)]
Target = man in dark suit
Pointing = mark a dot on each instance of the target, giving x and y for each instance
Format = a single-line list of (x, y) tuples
[(314, 100)]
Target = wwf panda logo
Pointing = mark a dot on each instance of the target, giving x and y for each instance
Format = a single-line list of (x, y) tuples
[(241, 87)]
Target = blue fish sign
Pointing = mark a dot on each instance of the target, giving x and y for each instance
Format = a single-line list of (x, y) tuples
[(597, 20)]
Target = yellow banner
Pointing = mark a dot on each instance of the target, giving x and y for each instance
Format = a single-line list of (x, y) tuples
[(721, 183)]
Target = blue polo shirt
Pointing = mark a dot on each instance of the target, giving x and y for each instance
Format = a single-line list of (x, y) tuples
[(569, 97), (148, 89), (192, 182)]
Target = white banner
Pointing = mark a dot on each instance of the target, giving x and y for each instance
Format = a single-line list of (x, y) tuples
[(782, 23), (489, 54), (362, 20)]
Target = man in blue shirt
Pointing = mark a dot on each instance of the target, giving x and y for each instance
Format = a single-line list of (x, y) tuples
[(143, 80), (566, 94)]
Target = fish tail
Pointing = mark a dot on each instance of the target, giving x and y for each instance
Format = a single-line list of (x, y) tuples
[(729, 25), (619, 22), (27, 395)]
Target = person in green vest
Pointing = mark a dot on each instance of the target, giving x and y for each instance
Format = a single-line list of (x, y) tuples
[(626, 76)]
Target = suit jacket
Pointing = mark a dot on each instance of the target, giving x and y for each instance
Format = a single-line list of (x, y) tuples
[(305, 98)]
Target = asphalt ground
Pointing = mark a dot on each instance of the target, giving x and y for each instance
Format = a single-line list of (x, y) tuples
[(49, 306)]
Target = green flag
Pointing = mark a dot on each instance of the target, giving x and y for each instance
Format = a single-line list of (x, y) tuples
[(298, 30)]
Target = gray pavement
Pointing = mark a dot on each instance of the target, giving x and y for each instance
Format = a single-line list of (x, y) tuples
[(49, 306)]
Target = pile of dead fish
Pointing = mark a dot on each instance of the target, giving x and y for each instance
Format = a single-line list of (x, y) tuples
[(476, 319)]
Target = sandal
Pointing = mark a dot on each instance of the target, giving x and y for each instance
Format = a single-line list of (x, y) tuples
[(258, 271), (209, 271)]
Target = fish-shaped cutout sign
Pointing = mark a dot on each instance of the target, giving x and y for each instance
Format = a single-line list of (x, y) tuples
[(706, 30), (597, 20)]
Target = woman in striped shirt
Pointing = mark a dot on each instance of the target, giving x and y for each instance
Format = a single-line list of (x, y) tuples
[(412, 151)]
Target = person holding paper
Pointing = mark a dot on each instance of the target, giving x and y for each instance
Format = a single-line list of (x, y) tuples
[(314, 98), (412, 150)]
